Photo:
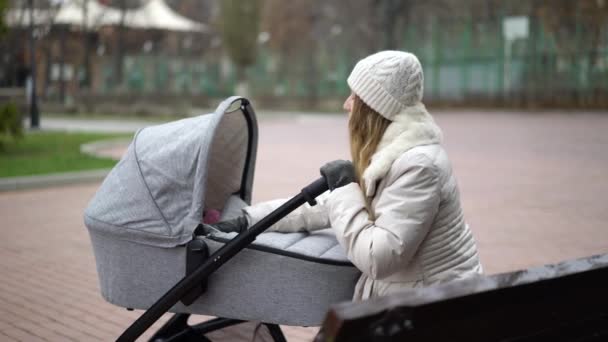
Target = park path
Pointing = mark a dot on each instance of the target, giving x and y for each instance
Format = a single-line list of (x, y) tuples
[(533, 188)]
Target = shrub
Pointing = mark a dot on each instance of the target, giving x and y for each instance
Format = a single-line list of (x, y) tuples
[(11, 123), (3, 9)]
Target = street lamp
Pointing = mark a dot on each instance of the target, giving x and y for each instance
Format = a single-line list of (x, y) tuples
[(34, 114)]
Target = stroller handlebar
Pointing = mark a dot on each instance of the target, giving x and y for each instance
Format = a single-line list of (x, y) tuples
[(315, 189)]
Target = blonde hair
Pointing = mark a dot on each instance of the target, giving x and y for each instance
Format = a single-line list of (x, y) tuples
[(366, 128)]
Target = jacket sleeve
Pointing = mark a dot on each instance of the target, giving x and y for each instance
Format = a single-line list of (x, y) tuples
[(404, 213), (304, 218)]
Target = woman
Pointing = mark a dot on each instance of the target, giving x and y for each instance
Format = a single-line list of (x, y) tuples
[(402, 223)]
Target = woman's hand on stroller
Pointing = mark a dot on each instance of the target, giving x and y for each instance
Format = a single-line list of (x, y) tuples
[(338, 173), (238, 224)]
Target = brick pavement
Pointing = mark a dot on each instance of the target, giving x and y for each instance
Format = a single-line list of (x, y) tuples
[(532, 187)]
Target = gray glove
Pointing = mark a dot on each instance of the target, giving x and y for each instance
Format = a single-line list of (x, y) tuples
[(338, 173), (238, 224)]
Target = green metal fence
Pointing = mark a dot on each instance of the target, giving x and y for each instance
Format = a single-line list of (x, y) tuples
[(476, 61), (504, 60)]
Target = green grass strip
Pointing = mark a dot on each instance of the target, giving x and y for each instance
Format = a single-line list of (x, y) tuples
[(40, 153)]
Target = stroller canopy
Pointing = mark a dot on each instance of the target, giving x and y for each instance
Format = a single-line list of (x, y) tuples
[(171, 173)]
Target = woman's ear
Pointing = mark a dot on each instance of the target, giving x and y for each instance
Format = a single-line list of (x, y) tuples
[(348, 104)]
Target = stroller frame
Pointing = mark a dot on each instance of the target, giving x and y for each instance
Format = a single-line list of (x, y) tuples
[(177, 328), (215, 261)]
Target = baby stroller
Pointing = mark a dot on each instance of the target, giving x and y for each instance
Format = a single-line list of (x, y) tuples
[(152, 252)]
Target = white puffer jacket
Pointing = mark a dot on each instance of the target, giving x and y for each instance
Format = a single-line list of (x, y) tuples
[(419, 236)]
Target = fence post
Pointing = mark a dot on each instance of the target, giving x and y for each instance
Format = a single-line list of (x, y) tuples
[(500, 76), (465, 57), (578, 59), (542, 59), (436, 60), (531, 58)]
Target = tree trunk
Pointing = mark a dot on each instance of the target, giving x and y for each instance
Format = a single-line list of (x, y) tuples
[(48, 63), (120, 45), (86, 43), (311, 72), (62, 40), (389, 25), (86, 67), (242, 86)]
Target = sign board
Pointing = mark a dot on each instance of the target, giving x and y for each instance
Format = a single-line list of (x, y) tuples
[(515, 28)]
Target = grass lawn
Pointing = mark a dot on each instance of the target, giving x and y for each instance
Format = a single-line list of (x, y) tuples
[(49, 152)]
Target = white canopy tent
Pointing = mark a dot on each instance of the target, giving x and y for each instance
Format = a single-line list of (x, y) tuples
[(153, 14), (156, 14), (73, 12)]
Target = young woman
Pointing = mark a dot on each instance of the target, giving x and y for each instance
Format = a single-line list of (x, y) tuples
[(401, 223)]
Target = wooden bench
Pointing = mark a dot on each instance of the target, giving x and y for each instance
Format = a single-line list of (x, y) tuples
[(562, 302)]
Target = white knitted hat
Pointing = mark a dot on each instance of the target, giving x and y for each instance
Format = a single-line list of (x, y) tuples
[(388, 81)]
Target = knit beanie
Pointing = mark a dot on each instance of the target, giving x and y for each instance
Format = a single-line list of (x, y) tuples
[(388, 81)]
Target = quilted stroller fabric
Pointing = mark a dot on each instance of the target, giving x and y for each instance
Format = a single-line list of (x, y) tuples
[(147, 208)]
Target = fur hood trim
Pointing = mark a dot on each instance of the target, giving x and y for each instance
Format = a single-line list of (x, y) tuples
[(412, 127)]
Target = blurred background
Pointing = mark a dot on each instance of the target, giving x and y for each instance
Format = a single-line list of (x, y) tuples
[(519, 88), (125, 55)]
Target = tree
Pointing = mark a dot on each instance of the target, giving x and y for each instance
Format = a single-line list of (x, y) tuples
[(87, 40), (567, 22), (390, 11), (120, 44), (120, 37), (291, 27), (3, 8), (239, 27), (577, 28), (11, 123)]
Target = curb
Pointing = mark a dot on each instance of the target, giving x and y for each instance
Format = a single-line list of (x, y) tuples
[(66, 178), (94, 148), (54, 179)]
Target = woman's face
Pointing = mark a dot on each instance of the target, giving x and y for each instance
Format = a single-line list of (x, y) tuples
[(348, 104)]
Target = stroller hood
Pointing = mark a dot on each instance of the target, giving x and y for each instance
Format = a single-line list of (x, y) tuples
[(170, 173)]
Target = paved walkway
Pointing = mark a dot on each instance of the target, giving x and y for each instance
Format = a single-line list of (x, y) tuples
[(96, 125), (112, 125), (533, 188)]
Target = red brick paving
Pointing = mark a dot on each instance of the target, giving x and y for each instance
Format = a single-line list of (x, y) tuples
[(533, 188)]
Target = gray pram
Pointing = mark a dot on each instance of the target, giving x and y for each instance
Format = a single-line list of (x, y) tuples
[(142, 224)]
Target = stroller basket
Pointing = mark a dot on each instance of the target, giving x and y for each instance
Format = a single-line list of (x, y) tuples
[(145, 213)]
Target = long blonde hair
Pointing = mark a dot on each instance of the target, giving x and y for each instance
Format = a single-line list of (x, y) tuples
[(366, 128)]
